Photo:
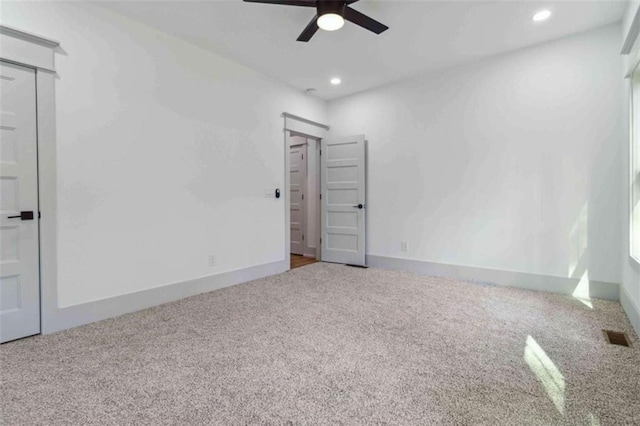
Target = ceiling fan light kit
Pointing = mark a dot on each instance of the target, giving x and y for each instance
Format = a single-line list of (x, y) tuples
[(330, 16), (330, 22)]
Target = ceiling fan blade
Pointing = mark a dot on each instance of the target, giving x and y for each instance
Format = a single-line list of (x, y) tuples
[(364, 21), (309, 31), (303, 3)]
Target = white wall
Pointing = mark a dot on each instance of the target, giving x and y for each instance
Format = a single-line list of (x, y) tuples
[(164, 151), (630, 291), (513, 163)]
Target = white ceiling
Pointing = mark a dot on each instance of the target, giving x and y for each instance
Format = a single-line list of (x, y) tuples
[(423, 35)]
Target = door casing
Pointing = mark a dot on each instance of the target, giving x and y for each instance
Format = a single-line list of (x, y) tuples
[(310, 129), (36, 52)]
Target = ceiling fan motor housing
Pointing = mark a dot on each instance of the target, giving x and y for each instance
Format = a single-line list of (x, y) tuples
[(336, 7)]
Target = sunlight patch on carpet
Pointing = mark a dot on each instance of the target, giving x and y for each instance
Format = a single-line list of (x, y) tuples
[(546, 372)]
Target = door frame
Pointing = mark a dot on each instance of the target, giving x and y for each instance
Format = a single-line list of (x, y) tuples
[(38, 53), (299, 126)]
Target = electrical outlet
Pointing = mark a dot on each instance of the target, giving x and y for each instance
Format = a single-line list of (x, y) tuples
[(404, 246), (212, 260)]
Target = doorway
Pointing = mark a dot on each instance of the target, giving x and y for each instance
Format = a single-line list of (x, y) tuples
[(340, 210), (303, 199)]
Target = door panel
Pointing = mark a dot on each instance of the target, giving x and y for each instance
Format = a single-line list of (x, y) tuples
[(298, 185), (343, 200), (19, 239)]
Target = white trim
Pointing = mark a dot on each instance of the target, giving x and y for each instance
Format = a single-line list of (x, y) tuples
[(632, 34), (304, 126), (305, 120), (629, 45), (631, 309), (47, 193), (76, 315), (633, 145), (287, 198), (24, 48), (28, 36), (634, 264), (597, 289)]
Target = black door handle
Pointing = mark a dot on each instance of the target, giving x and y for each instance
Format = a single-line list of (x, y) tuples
[(22, 216), (359, 206)]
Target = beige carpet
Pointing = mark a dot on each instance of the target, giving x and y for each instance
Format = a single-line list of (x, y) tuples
[(332, 344)]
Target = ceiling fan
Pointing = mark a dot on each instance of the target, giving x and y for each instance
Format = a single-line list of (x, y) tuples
[(330, 16)]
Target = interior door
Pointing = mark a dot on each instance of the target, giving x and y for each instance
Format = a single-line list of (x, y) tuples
[(343, 200), (19, 239), (298, 185)]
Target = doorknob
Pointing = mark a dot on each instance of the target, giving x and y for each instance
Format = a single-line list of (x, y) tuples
[(22, 216), (359, 206)]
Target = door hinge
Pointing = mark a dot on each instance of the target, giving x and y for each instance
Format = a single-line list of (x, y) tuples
[(303, 196), (320, 239), (302, 155), (320, 152), (321, 196), (302, 237)]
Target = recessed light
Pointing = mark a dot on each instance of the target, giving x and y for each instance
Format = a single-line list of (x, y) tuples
[(543, 15), (335, 81)]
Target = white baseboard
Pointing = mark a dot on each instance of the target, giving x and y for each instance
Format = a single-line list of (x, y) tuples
[(76, 315), (597, 289), (73, 316), (632, 310)]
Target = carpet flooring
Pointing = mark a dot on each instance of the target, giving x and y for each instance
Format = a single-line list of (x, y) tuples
[(328, 344)]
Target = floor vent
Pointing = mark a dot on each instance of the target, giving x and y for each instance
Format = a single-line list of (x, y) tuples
[(616, 338)]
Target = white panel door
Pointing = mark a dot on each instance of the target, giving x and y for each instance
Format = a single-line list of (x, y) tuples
[(19, 261), (343, 200), (298, 186)]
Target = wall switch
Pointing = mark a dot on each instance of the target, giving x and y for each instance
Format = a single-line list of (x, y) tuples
[(404, 246), (212, 261)]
